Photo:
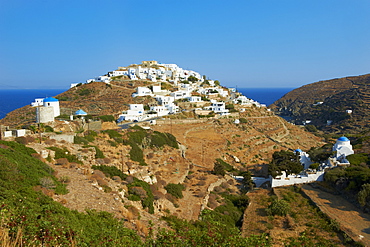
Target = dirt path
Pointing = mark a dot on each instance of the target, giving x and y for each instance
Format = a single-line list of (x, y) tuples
[(254, 216), (355, 223)]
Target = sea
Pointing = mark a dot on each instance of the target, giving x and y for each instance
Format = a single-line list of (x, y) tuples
[(11, 99)]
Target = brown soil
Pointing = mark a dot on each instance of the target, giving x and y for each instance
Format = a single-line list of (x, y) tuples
[(354, 222)]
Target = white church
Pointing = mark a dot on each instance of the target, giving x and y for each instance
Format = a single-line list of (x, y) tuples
[(342, 149), (46, 109)]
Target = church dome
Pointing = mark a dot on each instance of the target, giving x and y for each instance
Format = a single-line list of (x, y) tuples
[(343, 139), (51, 99)]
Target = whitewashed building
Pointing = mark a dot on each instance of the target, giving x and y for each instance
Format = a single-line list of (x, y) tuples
[(304, 158), (135, 112), (342, 147), (218, 107), (142, 91)]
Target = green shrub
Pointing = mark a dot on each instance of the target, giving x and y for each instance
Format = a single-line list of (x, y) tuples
[(64, 153), (48, 128), (357, 159), (278, 207), (225, 165), (146, 202), (175, 189), (80, 140), (107, 118), (314, 166), (98, 153), (159, 139), (40, 219), (136, 154), (243, 120)]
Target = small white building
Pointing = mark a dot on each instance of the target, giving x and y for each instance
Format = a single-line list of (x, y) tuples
[(136, 112), (38, 102), (46, 109), (165, 100), (304, 158), (218, 107), (117, 73), (53, 102), (195, 99), (142, 91), (180, 94), (342, 147)]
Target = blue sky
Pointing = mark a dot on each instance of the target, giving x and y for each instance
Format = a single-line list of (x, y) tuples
[(243, 43)]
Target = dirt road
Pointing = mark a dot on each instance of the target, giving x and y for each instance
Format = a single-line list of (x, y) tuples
[(355, 223)]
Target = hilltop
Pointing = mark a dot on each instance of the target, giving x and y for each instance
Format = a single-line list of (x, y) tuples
[(334, 106)]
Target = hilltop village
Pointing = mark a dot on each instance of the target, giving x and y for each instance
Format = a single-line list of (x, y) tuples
[(206, 98)]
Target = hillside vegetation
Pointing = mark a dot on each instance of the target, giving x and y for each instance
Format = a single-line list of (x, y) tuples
[(329, 100)]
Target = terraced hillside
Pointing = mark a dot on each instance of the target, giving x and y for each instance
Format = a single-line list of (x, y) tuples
[(329, 100)]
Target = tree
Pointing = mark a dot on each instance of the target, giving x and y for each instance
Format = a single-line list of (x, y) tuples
[(364, 195), (284, 161), (247, 179), (192, 78), (219, 169), (311, 128), (320, 154)]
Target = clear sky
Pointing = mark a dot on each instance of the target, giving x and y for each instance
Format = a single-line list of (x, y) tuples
[(243, 43)]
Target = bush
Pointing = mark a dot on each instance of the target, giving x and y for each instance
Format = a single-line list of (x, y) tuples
[(80, 140), (146, 202), (98, 153), (278, 207), (314, 166), (219, 169), (64, 153), (175, 189), (243, 120), (107, 118)]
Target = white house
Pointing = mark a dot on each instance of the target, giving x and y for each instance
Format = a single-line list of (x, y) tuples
[(117, 73), (103, 78), (135, 112), (195, 99), (161, 110), (180, 94), (218, 107), (38, 102), (165, 100), (132, 74), (142, 91)]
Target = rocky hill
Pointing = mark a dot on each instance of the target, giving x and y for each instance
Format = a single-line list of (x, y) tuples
[(339, 105), (155, 175)]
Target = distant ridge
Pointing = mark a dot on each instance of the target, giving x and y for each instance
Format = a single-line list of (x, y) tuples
[(339, 105)]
